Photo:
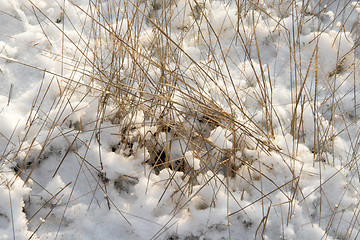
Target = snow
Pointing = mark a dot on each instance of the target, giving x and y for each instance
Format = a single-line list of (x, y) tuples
[(261, 139)]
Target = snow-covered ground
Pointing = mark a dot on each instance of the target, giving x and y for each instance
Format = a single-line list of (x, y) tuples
[(180, 119)]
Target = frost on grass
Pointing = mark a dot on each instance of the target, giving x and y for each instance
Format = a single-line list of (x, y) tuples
[(179, 119)]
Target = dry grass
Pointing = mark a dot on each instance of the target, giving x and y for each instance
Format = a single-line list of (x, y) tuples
[(133, 61)]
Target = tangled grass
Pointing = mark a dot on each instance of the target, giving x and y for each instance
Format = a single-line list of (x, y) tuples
[(246, 97)]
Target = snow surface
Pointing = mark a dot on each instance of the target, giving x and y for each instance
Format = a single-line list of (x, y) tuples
[(306, 188)]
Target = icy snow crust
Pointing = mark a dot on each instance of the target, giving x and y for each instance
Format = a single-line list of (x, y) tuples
[(68, 171)]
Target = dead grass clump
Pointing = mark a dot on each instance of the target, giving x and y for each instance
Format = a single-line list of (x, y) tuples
[(190, 90)]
